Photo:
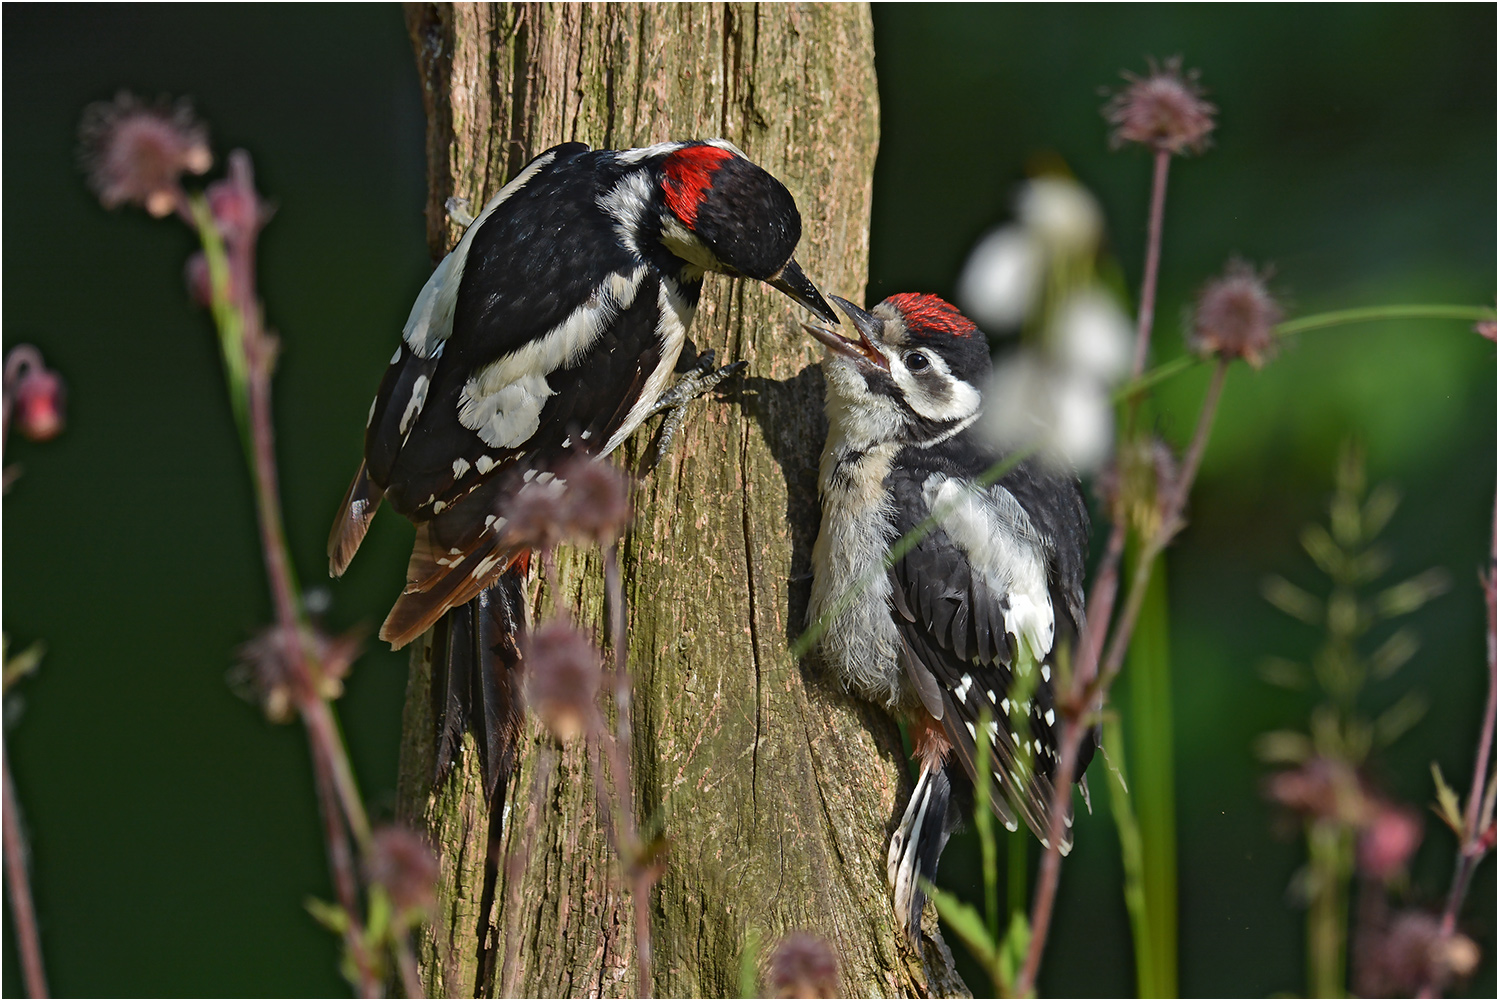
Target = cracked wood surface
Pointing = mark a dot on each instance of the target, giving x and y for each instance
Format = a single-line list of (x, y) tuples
[(776, 790)]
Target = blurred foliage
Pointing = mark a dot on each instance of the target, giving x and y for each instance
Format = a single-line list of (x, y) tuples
[(1356, 152)]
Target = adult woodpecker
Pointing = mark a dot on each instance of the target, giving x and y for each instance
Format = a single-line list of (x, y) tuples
[(965, 626), (550, 331)]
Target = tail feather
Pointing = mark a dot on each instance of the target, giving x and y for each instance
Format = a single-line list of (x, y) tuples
[(353, 521), (918, 843)]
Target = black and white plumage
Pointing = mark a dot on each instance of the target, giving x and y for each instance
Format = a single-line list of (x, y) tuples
[(966, 625), (549, 332)]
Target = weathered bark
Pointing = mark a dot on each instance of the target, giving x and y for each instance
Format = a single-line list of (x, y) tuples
[(777, 791)]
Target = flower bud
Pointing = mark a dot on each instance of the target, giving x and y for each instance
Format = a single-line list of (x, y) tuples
[(1235, 317), (136, 155), (1163, 110)]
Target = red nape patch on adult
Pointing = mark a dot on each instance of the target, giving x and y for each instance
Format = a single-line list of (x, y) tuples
[(925, 312), (689, 174)]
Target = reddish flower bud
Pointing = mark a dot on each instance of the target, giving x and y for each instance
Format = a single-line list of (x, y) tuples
[(1164, 110), (1410, 954), (200, 284), (562, 679), (1485, 329), (236, 207), (136, 154), (1235, 316), (34, 395), (403, 863), (1389, 840), (803, 967), (270, 673)]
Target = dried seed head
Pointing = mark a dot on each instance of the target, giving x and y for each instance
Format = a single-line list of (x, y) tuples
[(1235, 316), (1134, 486), (272, 672), (562, 678), (1164, 110), (1410, 953), (136, 154), (596, 501), (803, 967), (403, 863), (534, 514)]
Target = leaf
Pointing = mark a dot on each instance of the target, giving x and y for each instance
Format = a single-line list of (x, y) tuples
[(1292, 600), (1413, 593), (1379, 507), (330, 916), (1284, 747), (1324, 551), (23, 664), (966, 921), (1400, 718), (1015, 947), (1398, 649), (1447, 805), (1283, 673), (750, 965), (1370, 564)]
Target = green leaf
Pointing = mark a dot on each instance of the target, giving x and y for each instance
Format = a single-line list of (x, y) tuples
[(1013, 951), (966, 921), (1292, 600), (23, 664), (1447, 805), (1400, 718), (330, 916), (1284, 747), (1379, 507), (378, 925), (1398, 649), (1413, 593), (1283, 673), (1324, 551), (750, 965)]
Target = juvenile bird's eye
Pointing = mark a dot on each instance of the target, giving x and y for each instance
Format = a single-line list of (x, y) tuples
[(915, 361)]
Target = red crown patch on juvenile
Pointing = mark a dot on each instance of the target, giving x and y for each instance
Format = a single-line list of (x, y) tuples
[(689, 173), (926, 312)]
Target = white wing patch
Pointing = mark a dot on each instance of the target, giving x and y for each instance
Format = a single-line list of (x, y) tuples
[(431, 319), (503, 402), (994, 531)]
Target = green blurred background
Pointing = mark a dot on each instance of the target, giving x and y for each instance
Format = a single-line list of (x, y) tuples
[(173, 832)]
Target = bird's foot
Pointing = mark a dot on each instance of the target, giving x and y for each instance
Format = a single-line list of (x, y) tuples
[(699, 379)]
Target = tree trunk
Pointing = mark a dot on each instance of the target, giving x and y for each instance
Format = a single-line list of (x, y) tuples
[(777, 792)]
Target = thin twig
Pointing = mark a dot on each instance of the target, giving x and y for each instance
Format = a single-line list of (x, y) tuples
[(345, 879), (1471, 849), (1147, 312), (21, 908)]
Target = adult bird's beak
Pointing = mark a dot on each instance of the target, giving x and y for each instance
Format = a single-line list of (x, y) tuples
[(791, 281), (867, 324)]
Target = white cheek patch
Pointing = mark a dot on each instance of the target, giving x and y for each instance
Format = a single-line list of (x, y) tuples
[(995, 533), (431, 320), (503, 402), (944, 398), (683, 243)]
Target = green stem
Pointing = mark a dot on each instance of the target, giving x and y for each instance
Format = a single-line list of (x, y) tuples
[(1330, 852), (1317, 321)]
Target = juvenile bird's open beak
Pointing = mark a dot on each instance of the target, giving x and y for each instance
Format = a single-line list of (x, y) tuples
[(794, 283), (863, 350)]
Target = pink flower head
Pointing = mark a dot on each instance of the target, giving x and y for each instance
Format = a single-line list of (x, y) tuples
[(1388, 841), (1235, 316), (136, 154), (562, 679), (803, 967), (1164, 110), (34, 394), (403, 863)]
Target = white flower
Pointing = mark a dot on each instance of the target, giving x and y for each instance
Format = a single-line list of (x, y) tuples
[(1061, 213), (1091, 335), (1066, 415), (999, 284)]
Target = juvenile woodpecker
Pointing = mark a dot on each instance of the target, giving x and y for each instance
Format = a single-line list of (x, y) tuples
[(965, 626), (550, 331)]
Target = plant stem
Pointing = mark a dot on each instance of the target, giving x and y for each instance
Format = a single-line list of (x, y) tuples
[(1088, 688), (1471, 850), (1153, 262), (21, 908), (1312, 322)]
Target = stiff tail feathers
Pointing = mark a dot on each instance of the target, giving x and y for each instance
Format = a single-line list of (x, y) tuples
[(478, 656), (353, 521), (931, 816)]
